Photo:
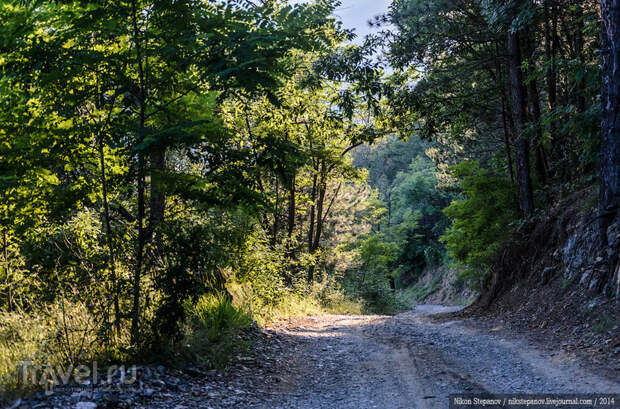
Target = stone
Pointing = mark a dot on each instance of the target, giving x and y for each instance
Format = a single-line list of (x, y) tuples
[(547, 273), (158, 383), (585, 278), (593, 284), (86, 405), (579, 250), (16, 404), (100, 395)]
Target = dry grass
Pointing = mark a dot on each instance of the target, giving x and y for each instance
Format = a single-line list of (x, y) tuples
[(60, 335)]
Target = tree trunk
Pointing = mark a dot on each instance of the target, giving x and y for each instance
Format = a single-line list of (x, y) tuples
[(158, 196), (7, 271), (610, 120), (507, 139), (550, 52), (276, 224), (291, 208), (534, 105), (312, 210), (319, 207), (522, 148), (108, 233), (135, 310), (506, 118), (580, 98)]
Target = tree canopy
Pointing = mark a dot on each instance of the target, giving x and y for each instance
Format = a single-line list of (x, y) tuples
[(156, 153)]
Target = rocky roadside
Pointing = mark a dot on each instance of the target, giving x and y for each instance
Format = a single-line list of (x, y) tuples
[(247, 382), (351, 362), (563, 323)]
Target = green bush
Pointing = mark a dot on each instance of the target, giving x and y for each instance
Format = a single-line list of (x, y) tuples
[(481, 222), (333, 299), (213, 331), (377, 255), (378, 296), (372, 279)]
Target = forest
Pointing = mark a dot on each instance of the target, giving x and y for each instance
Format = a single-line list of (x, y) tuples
[(173, 171)]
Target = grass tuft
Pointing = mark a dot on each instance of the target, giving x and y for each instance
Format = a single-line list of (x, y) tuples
[(213, 331)]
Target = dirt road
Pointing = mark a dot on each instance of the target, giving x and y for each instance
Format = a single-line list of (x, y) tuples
[(406, 361), (357, 362)]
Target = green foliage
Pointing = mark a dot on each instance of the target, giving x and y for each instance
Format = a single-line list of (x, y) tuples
[(455, 52), (260, 285), (194, 257), (172, 170), (212, 333), (68, 256), (61, 334), (377, 255), (418, 217), (374, 291), (372, 279), (481, 221), (326, 297), (418, 292), (157, 153), (412, 219)]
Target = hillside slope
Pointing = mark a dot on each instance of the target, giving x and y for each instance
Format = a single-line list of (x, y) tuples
[(552, 282)]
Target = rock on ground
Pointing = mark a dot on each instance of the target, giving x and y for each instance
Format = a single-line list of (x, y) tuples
[(356, 362)]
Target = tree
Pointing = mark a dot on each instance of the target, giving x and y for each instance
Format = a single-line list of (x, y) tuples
[(519, 103), (610, 126), (302, 144), (610, 119), (461, 99), (504, 82), (481, 220), (385, 159), (103, 94)]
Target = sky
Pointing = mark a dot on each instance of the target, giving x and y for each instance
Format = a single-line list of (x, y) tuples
[(356, 13)]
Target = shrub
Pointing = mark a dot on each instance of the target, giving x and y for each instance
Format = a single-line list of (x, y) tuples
[(195, 254), (333, 299), (213, 328), (377, 255), (378, 296), (61, 335), (215, 324), (481, 222)]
